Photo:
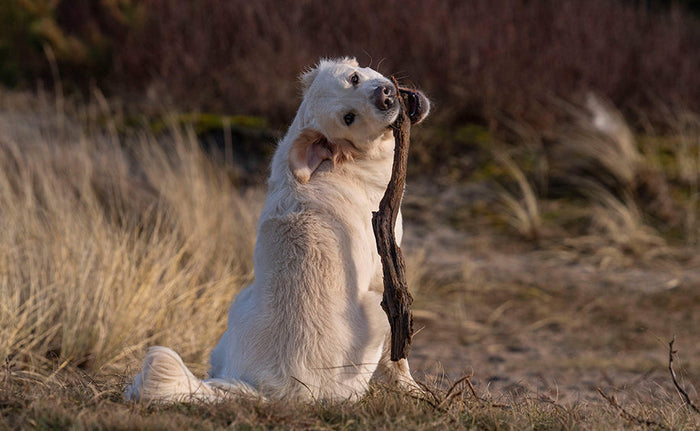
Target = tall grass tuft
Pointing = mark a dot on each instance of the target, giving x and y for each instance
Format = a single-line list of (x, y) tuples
[(523, 212), (601, 157), (110, 243), (601, 144), (686, 153), (619, 219)]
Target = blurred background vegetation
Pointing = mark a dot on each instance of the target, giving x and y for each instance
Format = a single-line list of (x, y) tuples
[(478, 60), (510, 72), (514, 78)]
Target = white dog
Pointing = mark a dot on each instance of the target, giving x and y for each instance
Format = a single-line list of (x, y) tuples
[(311, 325)]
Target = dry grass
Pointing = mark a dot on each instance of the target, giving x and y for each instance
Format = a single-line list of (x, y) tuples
[(631, 195), (680, 157), (523, 212), (625, 194), (108, 243), (601, 139), (72, 399)]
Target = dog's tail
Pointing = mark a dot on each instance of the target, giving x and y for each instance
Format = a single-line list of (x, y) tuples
[(165, 378)]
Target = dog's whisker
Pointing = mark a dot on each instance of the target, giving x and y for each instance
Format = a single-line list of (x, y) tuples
[(370, 58), (379, 65)]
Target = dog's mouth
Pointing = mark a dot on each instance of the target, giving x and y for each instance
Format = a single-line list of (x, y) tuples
[(417, 104)]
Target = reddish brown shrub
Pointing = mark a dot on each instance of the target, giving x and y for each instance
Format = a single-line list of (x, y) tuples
[(474, 58)]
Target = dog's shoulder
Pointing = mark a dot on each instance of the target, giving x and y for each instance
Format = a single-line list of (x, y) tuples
[(300, 245), (297, 232)]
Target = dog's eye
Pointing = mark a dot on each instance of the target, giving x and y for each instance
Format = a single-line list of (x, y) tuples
[(349, 118), (355, 79)]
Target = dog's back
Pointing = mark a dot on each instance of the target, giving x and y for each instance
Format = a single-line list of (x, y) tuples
[(296, 331)]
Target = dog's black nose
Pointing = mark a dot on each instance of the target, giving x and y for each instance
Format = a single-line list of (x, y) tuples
[(384, 97)]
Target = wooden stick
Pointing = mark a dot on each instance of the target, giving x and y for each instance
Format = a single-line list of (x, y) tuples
[(396, 300)]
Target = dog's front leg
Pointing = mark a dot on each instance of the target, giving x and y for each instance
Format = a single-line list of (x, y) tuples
[(393, 373)]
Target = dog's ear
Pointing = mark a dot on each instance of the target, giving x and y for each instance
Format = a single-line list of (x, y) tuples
[(307, 77), (350, 61), (310, 149)]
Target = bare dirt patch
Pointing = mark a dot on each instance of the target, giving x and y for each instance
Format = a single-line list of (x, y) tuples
[(545, 319)]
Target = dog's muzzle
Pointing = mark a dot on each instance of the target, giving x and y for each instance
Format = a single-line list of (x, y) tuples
[(384, 97), (417, 105)]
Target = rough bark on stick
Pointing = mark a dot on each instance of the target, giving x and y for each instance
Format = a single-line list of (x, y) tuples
[(396, 300)]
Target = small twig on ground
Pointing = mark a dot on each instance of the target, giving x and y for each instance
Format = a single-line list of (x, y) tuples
[(471, 388), (671, 352), (629, 416), (543, 398), (452, 392), (435, 402), (441, 402)]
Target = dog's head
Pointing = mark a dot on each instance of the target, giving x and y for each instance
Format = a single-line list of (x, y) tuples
[(346, 112)]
